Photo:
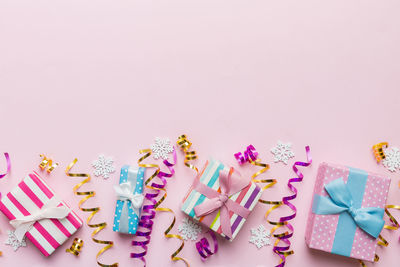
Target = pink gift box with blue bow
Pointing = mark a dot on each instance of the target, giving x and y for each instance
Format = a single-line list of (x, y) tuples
[(347, 211)]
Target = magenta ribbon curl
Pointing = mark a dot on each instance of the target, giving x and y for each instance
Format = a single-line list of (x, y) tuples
[(286, 201), (250, 154), (149, 212), (8, 165), (204, 248)]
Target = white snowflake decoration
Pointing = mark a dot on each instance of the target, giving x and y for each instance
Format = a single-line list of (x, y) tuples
[(189, 229), (282, 152), (260, 236), (103, 166), (392, 159), (13, 241), (161, 148)]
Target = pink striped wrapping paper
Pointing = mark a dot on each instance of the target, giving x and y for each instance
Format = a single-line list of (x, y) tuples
[(28, 197), (248, 198)]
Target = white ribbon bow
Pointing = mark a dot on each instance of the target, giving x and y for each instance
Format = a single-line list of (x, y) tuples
[(124, 192), (48, 211)]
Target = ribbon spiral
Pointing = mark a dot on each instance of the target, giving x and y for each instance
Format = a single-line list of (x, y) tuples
[(149, 210), (378, 151), (185, 145), (284, 250), (76, 247), (4, 174), (204, 248), (47, 162), (252, 157), (98, 226), (8, 165)]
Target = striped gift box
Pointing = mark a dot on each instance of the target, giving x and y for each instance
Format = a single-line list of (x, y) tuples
[(247, 198), (28, 197)]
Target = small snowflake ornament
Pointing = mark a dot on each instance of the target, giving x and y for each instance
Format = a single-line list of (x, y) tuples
[(103, 166), (189, 229), (392, 159), (161, 148), (13, 241), (260, 236), (282, 152)]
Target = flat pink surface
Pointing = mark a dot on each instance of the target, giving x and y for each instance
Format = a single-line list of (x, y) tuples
[(79, 78)]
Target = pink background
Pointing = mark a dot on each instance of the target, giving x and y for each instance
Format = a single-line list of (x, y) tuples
[(79, 78)]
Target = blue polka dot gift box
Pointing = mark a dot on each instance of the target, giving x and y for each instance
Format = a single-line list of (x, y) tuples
[(129, 193)]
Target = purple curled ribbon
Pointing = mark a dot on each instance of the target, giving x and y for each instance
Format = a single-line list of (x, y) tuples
[(204, 248), (285, 238), (8, 165), (149, 212), (250, 154)]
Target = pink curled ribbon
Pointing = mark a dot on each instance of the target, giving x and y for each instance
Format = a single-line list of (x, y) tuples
[(8, 165), (230, 184), (204, 248), (250, 154), (282, 251), (149, 212)]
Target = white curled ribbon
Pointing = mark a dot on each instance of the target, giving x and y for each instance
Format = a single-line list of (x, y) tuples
[(124, 192), (49, 210)]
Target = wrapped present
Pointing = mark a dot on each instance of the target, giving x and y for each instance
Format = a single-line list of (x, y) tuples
[(347, 211), (221, 199), (36, 212), (129, 200)]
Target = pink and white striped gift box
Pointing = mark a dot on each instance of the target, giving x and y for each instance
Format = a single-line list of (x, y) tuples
[(28, 197)]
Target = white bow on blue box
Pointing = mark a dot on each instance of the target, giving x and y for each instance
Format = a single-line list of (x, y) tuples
[(130, 198)]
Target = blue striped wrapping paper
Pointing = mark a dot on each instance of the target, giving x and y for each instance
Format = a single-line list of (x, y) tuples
[(125, 219)]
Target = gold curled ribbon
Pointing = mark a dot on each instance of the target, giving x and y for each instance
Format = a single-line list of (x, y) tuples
[(276, 204), (99, 226), (394, 225), (168, 235), (159, 188), (185, 145), (378, 151), (147, 153), (76, 247), (265, 167), (47, 162), (268, 183)]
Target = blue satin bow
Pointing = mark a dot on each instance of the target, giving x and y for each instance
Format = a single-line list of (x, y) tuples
[(368, 219)]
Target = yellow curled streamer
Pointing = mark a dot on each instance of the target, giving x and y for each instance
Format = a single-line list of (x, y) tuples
[(378, 151), (265, 167), (76, 247), (147, 153), (99, 226), (185, 145), (276, 204), (394, 225), (47, 162), (168, 235), (156, 173)]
